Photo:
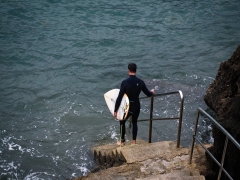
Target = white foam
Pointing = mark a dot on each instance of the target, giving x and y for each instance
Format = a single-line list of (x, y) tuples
[(83, 168), (12, 146), (34, 176), (77, 112)]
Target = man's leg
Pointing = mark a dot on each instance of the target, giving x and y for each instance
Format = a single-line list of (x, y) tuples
[(134, 128), (134, 132), (122, 131)]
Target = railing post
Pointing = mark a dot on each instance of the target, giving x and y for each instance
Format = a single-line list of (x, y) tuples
[(223, 158), (193, 138), (180, 119), (150, 122)]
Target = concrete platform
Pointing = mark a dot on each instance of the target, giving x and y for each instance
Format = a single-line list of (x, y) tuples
[(159, 160)]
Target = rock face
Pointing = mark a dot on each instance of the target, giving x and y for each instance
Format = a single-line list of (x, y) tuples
[(223, 97)]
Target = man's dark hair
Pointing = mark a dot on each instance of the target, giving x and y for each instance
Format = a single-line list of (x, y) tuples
[(132, 67)]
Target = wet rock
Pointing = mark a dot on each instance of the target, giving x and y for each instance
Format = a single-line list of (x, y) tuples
[(223, 97)]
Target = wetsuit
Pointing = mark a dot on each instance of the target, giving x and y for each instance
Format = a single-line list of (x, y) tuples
[(132, 86)]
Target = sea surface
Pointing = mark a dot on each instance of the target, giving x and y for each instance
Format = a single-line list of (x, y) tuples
[(58, 58)]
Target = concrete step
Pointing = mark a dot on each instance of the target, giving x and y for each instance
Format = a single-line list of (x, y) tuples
[(174, 178), (185, 174)]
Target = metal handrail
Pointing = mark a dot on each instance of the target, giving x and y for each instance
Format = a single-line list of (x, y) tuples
[(173, 118), (228, 137)]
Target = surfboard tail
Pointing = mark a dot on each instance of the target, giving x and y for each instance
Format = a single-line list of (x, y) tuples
[(110, 98)]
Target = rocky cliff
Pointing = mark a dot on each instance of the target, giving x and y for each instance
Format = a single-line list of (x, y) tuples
[(223, 97)]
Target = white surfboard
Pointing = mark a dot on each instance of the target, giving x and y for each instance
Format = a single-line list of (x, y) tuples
[(111, 97)]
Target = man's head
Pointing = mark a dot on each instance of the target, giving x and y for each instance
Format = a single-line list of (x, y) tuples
[(132, 67)]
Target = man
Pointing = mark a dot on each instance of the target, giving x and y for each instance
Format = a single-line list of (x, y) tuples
[(132, 86)]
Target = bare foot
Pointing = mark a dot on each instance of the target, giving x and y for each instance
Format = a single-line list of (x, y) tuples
[(133, 144), (120, 144)]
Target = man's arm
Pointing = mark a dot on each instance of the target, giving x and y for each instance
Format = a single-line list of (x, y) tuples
[(146, 91)]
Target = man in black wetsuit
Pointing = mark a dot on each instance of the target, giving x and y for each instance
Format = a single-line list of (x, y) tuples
[(132, 86)]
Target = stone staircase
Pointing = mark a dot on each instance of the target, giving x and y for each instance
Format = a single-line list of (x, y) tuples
[(154, 161)]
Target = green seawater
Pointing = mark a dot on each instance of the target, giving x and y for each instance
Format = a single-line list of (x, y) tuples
[(58, 58)]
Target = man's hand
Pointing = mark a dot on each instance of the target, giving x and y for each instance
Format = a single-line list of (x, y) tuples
[(153, 91), (115, 115)]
